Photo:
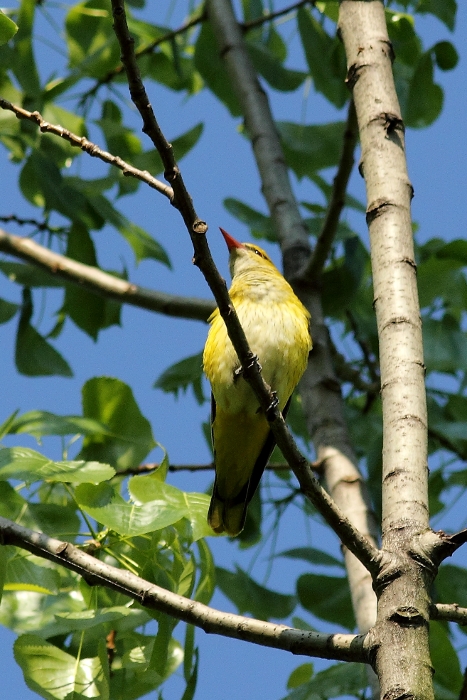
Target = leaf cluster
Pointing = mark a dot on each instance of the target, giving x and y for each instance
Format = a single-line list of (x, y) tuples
[(76, 638)]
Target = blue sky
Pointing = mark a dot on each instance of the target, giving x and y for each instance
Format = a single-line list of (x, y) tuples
[(220, 166)]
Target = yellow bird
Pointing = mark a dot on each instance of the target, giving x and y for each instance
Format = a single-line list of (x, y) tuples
[(276, 325)]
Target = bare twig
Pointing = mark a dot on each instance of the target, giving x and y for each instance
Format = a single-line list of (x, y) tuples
[(91, 148), (327, 234), (38, 225), (343, 647), (449, 613), (95, 280), (153, 466)]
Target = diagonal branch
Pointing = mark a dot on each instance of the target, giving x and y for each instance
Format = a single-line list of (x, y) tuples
[(102, 283), (88, 147), (356, 542), (343, 647), (319, 388), (327, 234)]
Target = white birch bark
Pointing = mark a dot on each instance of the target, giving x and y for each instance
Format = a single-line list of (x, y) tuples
[(402, 653)]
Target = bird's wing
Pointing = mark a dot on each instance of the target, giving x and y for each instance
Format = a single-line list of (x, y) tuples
[(261, 462)]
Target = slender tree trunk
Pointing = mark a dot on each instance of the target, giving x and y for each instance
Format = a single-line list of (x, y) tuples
[(402, 657)]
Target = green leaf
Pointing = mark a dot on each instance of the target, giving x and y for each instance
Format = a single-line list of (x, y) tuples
[(446, 55), (181, 375), (23, 575), (311, 148), (87, 619), (120, 140), (23, 63), (425, 97), (325, 57), (92, 45), (451, 585), (111, 402), (29, 275), (11, 502), (104, 503), (27, 465), (272, 70), (40, 423), (142, 244), (442, 278), (7, 28), (43, 185), (249, 596), (90, 312), (445, 345), (3, 566), (327, 597), (190, 688), (340, 679), (175, 71), (260, 225), (193, 506), (7, 310), (300, 675), (212, 69), (56, 675), (312, 555), (445, 10), (34, 356), (444, 659), (55, 520), (207, 574)]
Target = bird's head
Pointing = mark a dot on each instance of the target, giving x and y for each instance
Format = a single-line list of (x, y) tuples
[(246, 256)]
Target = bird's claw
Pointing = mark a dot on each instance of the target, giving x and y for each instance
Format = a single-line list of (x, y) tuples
[(272, 406), (253, 360)]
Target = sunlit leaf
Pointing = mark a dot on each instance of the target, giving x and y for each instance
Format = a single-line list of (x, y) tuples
[(28, 465), (56, 675), (111, 402)]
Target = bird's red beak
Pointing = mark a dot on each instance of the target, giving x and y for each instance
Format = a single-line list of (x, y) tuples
[(231, 242)]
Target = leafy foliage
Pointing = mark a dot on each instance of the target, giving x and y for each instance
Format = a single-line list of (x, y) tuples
[(96, 499)]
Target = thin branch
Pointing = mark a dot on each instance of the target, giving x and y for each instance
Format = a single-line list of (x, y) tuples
[(449, 613), (88, 147), (346, 373), (153, 466), (193, 22), (343, 647), (102, 283), (367, 353), (38, 225), (328, 232)]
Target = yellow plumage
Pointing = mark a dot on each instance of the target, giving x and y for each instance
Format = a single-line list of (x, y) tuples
[(276, 325)]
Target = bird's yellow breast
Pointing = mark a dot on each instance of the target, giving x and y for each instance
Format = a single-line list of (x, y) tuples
[(276, 325)]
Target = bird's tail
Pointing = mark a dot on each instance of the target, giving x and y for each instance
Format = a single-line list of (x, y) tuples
[(228, 515)]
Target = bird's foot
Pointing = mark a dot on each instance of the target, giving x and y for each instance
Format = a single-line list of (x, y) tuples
[(272, 406)]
